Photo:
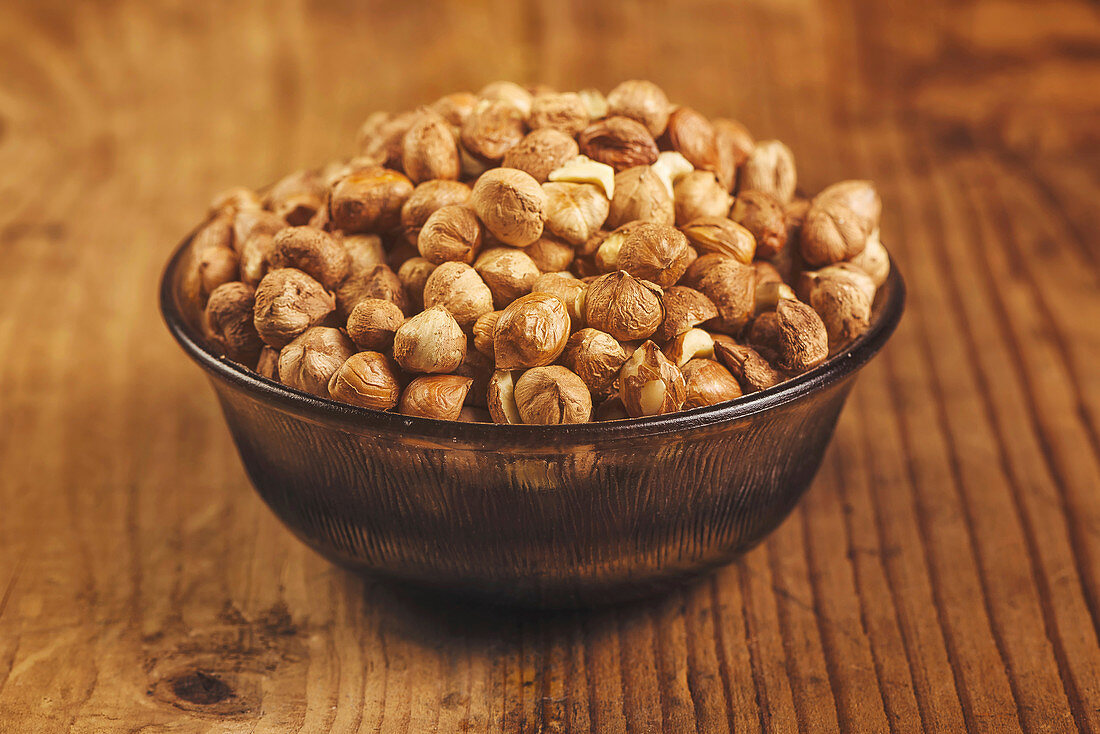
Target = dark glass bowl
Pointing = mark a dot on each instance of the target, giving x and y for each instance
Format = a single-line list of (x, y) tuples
[(544, 516)]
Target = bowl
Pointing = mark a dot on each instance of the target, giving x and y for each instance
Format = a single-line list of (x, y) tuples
[(539, 516)]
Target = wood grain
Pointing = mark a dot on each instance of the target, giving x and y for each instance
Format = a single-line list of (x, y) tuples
[(942, 575)]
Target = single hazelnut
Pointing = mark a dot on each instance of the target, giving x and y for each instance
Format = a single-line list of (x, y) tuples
[(458, 288), (435, 396), (596, 358), (649, 384), (640, 195), (656, 252), (844, 271), (313, 251), (839, 221), (722, 236), (844, 303), (382, 137), (699, 268), (296, 198), (549, 254), (732, 287), (769, 168), (372, 324), (491, 130), (268, 363), (770, 293), (484, 330), (531, 332), (552, 395), (540, 152), (670, 167), (761, 214), (379, 282), (766, 272), (874, 260), (501, 398), (413, 275), (574, 211), (803, 339), (236, 199), (228, 323), (764, 336), (429, 150), (688, 345), (625, 307), (366, 379), (455, 107), (583, 170), (509, 93), (509, 273), (215, 234), (570, 290), (685, 308), (692, 135), (698, 194), (287, 303), (620, 142), (426, 199), (565, 112), (432, 341), (708, 383), (216, 266), (611, 244), (309, 361), (365, 252), (752, 371), (369, 201), (452, 233), (511, 204), (734, 143), (248, 222), (595, 102), (794, 216), (643, 101)]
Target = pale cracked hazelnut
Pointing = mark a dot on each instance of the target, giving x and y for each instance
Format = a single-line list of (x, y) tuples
[(655, 252), (451, 233), (413, 275), (373, 323), (508, 272), (455, 107), (484, 329), (228, 323), (429, 150), (565, 111), (649, 384), (625, 307), (552, 395), (296, 198), (287, 303), (763, 216), (732, 287), (313, 251), (366, 379), (511, 204), (692, 135), (432, 342), (595, 102), (541, 152), (803, 339), (688, 345), (308, 362), (620, 142), (708, 383), (734, 144), (509, 93), (426, 198), (582, 169), (458, 288), (531, 332), (378, 282), (549, 254), (769, 168), (722, 236), (685, 308), (770, 293), (670, 167), (596, 357), (839, 221), (570, 290), (643, 101), (752, 371), (369, 200), (491, 130), (874, 260), (698, 194), (435, 396), (574, 211), (640, 194), (501, 398)]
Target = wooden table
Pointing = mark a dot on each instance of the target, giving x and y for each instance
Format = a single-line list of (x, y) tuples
[(942, 574)]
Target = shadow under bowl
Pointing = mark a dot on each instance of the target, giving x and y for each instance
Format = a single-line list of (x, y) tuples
[(537, 516)]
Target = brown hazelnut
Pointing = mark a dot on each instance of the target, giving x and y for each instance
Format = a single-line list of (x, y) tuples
[(511, 204), (509, 273), (874, 260), (732, 287), (552, 395), (550, 255), (296, 198), (379, 282), (372, 324), (429, 150), (216, 266), (803, 339), (620, 142), (708, 383), (571, 291), (649, 384), (455, 107), (313, 251), (287, 303), (236, 199), (691, 134), (531, 332), (769, 294), (751, 370), (640, 195), (452, 233), (540, 152), (470, 414), (228, 323), (733, 143), (698, 194), (761, 214), (268, 363), (625, 307), (764, 336), (435, 396), (366, 379), (501, 398), (574, 211), (484, 330), (722, 236), (565, 112), (843, 299), (491, 130), (685, 308), (308, 362), (382, 136), (611, 244), (656, 252), (458, 288), (413, 275), (688, 345), (839, 221), (643, 101), (369, 201), (766, 272), (509, 93), (769, 168), (432, 341), (596, 358), (365, 252), (426, 199), (248, 222)]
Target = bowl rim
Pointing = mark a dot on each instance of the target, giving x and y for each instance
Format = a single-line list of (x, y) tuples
[(325, 410)]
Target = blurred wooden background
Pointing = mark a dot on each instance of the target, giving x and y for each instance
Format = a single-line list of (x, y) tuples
[(942, 574)]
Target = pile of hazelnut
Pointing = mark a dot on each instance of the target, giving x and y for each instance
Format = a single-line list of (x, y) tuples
[(522, 255)]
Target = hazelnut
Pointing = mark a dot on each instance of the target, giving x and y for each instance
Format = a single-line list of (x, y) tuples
[(803, 339), (456, 107), (770, 293), (531, 332), (309, 362), (458, 288), (670, 167), (751, 370), (379, 282), (452, 233), (571, 291), (501, 398), (287, 303), (794, 216), (732, 287), (511, 204), (366, 379), (843, 299), (688, 345), (435, 396), (845, 271), (491, 130), (470, 414), (643, 101), (216, 266), (766, 272), (216, 233), (656, 252), (734, 143), (624, 306), (640, 195), (691, 134), (268, 363), (413, 275), (620, 142), (296, 198), (550, 255), (429, 150), (478, 368), (313, 251), (228, 324), (574, 211), (234, 200), (596, 358), (372, 324), (540, 152), (425, 200), (839, 221), (761, 214), (769, 168), (509, 273), (708, 383), (552, 395), (764, 336), (874, 260), (584, 170), (432, 341), (382, 136), (248, 222), (594, 102), (685, 308), (565, 112), (365, 252), (369, 200), (699, 268), (484, 330), (649, 384), (509, 93), (722, 236), (698, 194)]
